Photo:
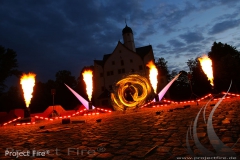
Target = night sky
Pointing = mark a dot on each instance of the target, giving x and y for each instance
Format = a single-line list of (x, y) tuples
[(49, 36)]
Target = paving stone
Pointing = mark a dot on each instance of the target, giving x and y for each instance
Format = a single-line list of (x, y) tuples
[(105, 156), (122, 157)]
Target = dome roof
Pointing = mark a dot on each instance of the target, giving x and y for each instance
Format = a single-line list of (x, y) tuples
[(127, 30)]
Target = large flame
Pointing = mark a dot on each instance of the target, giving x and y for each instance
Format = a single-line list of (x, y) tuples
[(27, 81), (206, 64), (153, 75), (87, 77)]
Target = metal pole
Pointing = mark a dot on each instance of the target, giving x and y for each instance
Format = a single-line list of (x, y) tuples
[(53, 103)]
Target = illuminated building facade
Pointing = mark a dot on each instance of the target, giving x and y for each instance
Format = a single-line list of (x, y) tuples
[(124, 60)]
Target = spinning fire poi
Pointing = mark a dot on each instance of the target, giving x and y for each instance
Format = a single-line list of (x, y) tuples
[(87, 77), (153, 73), (28, 82), (130, 92), (206, 64)]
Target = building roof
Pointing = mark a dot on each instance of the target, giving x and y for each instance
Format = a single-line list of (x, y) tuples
[(141, 51), (127, 30)]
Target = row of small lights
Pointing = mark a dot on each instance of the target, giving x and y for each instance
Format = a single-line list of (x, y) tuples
[(18, 124), (51, 119), (77, 113), (105, 110), (192, 101), (11, 121), (61, 117)]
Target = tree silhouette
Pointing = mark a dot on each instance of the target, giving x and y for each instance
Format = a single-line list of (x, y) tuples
[(8, 66), (226, 66)]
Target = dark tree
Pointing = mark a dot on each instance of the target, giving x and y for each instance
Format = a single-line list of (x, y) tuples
[(161, 64), (42, 97), (12, 99), (163, 72), (226, 66), (63, 96), (198, 79), (180, 89), (8, 66)]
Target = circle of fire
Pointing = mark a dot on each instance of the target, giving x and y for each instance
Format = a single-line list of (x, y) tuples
[(131, 92), (27, 81)]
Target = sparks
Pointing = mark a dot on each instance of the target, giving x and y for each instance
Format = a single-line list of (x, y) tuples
[(27, 81), (87, 77), (153, 75), (206, 64)]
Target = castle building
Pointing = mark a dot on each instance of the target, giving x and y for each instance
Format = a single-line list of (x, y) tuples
[(124, 60)]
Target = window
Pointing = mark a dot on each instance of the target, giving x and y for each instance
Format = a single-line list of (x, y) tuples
[(113, 62), (121, 71), (140, 67), (131, 60), (109, 73), (122, 62)]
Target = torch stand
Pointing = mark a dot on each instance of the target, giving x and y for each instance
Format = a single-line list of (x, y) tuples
[(27, 117), (90, 105), (156, 98)]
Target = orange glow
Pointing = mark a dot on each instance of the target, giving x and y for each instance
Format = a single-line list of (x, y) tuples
[(206, 64), (153, 75), (27, 81), (87, 77)]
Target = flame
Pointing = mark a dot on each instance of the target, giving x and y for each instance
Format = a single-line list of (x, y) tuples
[(206, 64), (134, 86), (27, 81), (87, 77), (153, 75)]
